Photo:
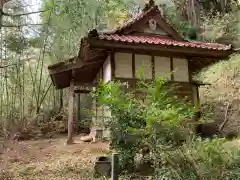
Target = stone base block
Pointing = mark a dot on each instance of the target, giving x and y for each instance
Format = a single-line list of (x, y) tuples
[(102, 167)]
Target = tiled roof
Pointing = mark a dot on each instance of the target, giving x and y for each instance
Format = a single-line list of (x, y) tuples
[(149, 12), (138, 39)]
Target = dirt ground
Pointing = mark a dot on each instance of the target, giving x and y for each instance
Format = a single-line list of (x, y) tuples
[(50, 159)]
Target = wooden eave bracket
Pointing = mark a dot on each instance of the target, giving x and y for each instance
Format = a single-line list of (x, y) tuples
[(200, 83)]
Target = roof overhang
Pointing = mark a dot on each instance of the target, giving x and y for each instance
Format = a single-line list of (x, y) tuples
[(158, 49), (79, 71), (199, 58)]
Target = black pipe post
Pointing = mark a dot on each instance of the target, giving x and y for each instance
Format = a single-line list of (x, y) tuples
[(115, 166)]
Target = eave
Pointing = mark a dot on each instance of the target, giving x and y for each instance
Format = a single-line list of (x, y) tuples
[(158, 49), (79, 71)]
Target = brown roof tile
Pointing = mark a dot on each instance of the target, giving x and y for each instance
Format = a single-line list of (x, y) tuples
[(157, 40)]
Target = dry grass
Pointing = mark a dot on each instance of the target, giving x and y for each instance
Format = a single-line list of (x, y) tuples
[(224, 78), (49, 159)]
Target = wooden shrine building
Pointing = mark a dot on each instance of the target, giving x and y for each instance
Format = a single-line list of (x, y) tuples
[(148, 41)]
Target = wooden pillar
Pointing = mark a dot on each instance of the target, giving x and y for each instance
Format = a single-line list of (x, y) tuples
[(70, 113), (78, 109), (113, 66), (196, 102)]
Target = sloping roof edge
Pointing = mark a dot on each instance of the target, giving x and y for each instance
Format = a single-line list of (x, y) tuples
[(151, 10)]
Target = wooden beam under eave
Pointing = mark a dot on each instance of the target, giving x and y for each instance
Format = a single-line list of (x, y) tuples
[(65, 68), (198, 65), (77, 65)]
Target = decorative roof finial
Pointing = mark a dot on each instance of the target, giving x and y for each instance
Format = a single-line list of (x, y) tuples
[(148, 5), (151, 3)]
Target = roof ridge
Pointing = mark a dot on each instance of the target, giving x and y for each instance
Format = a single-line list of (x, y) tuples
[(137, 17), (148, 5)]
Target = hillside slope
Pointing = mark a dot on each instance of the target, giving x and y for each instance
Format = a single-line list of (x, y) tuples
[(221, 99)]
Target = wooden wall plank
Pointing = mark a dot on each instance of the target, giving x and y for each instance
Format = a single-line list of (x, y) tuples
[(153, 67), (133, 67), (113, 65), (171, 68)]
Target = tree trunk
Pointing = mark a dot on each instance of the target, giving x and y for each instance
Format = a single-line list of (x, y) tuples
[(2, 2)]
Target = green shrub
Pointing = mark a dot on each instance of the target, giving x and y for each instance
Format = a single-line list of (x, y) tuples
[(160, 122), (137, 119)]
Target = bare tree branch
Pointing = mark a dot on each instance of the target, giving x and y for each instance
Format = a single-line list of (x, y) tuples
[(15, 64), (21, 25), (2, 2), (24, 14)]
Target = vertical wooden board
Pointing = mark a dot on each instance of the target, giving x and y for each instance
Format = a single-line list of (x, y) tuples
[(189, 71), (171, 69), (143, 65), (180, 67), (133, 67), (113, 66), (153, 66), (123, 65), (195, 95), (162, 66)]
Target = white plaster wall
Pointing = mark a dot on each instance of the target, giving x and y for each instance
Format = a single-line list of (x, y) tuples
[(123, 65), (162, 66), (180, 66), (143, 64), (107, 70)]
